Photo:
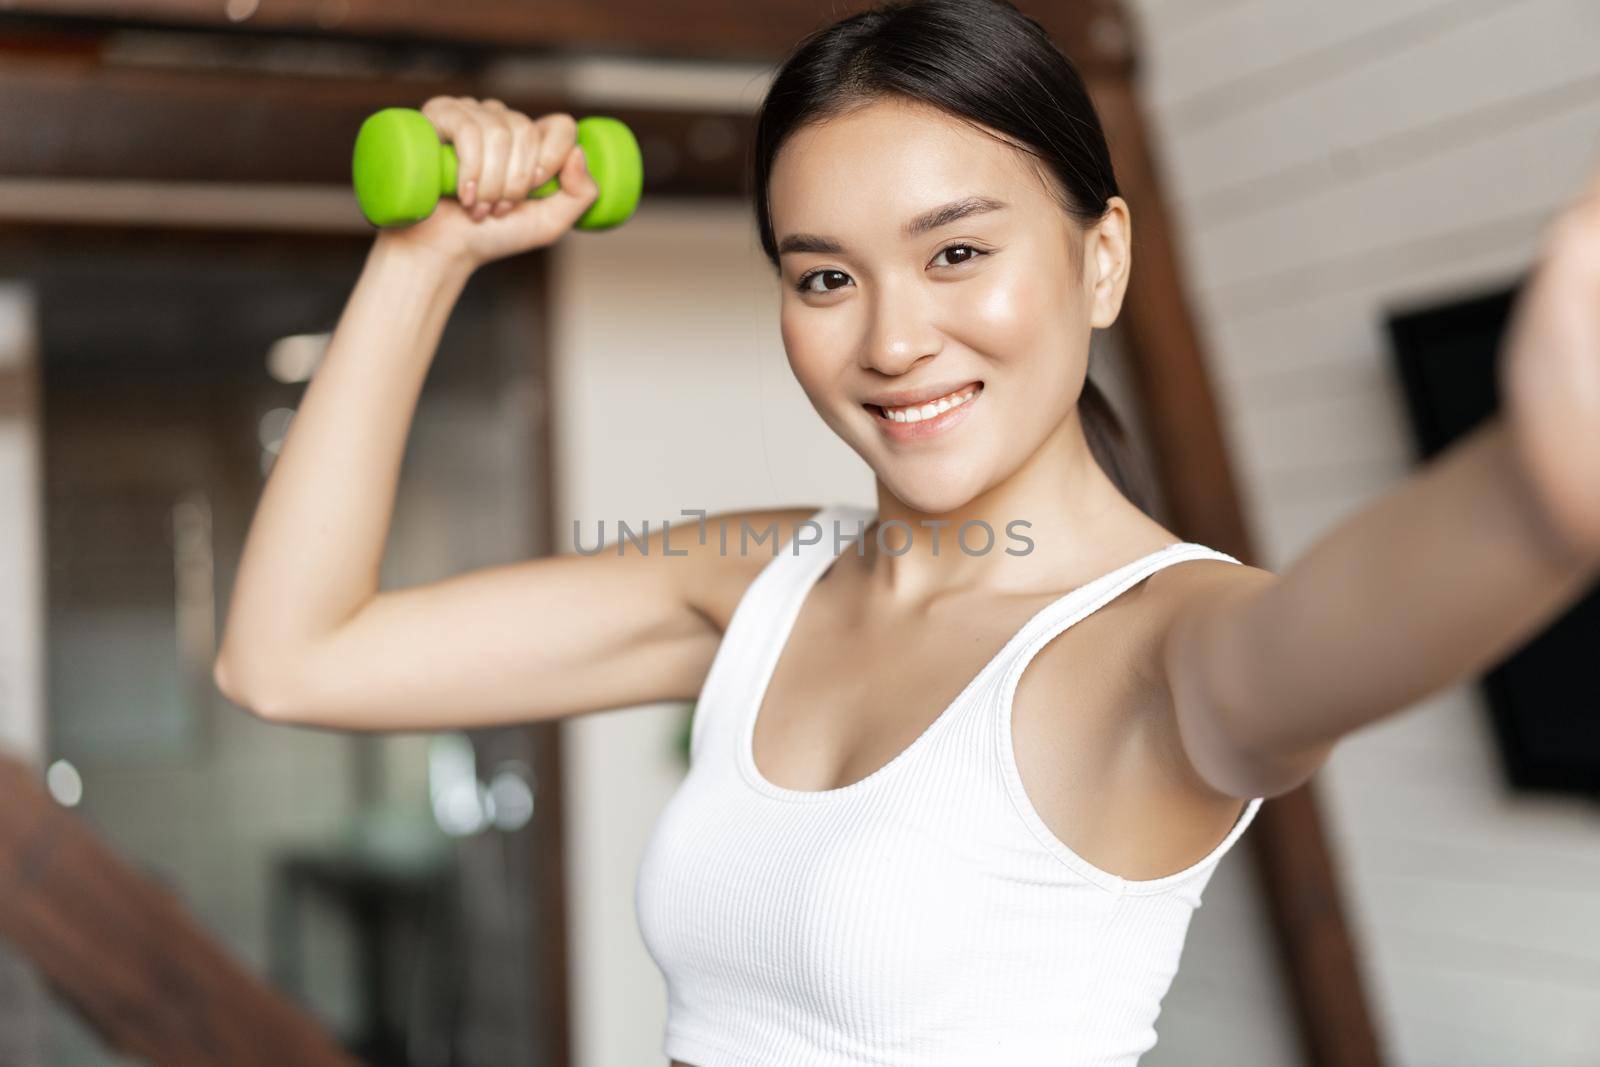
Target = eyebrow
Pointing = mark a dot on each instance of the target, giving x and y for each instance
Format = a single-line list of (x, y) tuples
[(943, 215)]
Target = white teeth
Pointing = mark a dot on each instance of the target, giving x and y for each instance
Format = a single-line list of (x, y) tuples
[(932, 408)]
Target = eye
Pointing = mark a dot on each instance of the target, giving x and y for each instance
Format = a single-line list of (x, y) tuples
[(803, 283), (975, 253)]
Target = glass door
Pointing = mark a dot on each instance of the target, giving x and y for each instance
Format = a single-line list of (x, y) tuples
[(404, 889)]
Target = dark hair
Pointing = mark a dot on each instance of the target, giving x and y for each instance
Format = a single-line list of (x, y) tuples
[(982, 61)]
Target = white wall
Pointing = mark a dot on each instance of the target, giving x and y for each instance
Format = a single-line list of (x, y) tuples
[(1328, 162)]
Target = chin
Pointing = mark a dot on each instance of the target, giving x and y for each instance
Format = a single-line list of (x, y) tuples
[(933, 485), (931, 492)]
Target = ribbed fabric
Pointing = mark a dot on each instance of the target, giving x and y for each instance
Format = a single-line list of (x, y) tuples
[(919, 917)]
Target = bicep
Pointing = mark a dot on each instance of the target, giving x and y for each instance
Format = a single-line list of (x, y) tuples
[(537, 639)]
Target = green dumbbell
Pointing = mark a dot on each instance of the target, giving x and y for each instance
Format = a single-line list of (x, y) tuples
[(401, 169)]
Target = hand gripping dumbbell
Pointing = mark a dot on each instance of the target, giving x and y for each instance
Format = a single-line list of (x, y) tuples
[(401, 169)]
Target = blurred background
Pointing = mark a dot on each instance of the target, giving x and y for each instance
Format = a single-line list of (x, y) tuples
[(1332, 206)]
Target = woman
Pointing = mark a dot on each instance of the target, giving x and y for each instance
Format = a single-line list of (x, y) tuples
[(919, 827)]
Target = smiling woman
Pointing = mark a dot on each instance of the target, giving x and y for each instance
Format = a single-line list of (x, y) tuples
[(943, 807), (875, 856)]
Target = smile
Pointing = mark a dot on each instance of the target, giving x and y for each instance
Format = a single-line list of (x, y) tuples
[(922, 420)]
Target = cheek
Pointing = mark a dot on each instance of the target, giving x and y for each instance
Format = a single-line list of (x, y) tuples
[(813, 343), (808, 348), (1011, 313)]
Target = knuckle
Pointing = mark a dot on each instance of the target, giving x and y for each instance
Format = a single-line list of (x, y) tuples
[(520, 176), (529, 143), (443, 112), (536, 171)]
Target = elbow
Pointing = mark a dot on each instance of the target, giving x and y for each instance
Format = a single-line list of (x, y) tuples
[(263, 698), (222, 675)]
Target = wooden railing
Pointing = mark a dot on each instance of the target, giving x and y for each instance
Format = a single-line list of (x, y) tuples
[(126, 955)]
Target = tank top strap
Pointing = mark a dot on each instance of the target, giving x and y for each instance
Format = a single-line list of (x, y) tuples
[(760, 616), (1088, 598)]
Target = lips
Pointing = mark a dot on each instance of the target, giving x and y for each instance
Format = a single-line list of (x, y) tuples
[(907, 399), (907, 430)]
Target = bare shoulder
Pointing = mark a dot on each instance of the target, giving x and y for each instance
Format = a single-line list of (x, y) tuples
[(728, 549), (1198, 584), (1191, 588), (1182, 595)]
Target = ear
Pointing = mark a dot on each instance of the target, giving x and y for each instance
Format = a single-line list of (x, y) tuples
[(1107, 258)]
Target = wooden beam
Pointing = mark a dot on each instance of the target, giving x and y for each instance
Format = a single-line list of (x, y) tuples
[(90, 121), (126, 954), (701, 29), (1179, 409)]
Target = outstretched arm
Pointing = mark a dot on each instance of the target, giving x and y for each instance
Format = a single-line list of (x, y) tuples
[(1437, 580)]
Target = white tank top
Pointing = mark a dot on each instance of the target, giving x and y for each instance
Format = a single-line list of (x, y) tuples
[(922, 916)]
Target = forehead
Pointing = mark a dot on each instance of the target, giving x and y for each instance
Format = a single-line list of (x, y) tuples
[(876, 167)]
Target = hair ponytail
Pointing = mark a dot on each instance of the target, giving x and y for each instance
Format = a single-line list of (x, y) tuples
[(1111, 447)]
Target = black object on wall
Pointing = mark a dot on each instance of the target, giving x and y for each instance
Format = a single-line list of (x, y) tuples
[(1544, 700)]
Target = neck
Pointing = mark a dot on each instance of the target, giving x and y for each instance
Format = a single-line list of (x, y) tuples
[(1056, 518)]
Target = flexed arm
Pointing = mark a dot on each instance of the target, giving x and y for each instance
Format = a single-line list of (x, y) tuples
[(1436, 581)]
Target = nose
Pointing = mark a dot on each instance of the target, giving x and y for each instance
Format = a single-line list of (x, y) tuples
[(900, 332)]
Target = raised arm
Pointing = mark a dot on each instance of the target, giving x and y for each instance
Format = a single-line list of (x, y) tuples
[(1436, 581), (537, 639), (309, 638)]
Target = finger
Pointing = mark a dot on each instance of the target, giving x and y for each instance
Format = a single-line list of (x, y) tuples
[(576, 181), (524, 158), (499, 109), (559, 135), (496, 152), (546, 219), (452, 117)]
